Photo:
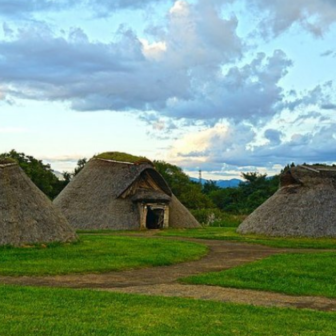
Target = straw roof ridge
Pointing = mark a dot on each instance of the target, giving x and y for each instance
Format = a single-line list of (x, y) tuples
[(7, 161), (122, 157)]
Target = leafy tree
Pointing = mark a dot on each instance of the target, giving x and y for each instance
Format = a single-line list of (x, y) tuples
[(210, 186), (287, 167), (250, 194), (80, 165), (67, 177)]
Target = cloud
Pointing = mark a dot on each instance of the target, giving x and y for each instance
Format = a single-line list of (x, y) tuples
[(224, 145), (62, 158), (102, 6), (316, 16), (328, 53), (211, 148), (2, 94), (24, 9), (273, 136), (328, 106), (191, 68), (20, 8), (321, 96), (126, 74), (249, 92)]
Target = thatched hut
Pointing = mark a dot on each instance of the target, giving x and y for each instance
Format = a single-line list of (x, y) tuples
[(27, 216), (119, 191), (304, 205)]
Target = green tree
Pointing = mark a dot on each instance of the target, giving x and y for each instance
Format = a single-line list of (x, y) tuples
[(210, 186), (80, 165), (250, 194)]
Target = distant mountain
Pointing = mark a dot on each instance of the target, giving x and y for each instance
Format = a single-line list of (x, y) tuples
[(58, 174), (233, 183)]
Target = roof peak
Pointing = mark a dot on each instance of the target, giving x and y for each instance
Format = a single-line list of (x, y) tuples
[(113, 161), (318, 168), (7, 161), (121, 157), (7, 165)]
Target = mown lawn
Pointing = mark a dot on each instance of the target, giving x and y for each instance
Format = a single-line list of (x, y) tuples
[(297, 274), (225, 233), (96, 254), (28, 311)]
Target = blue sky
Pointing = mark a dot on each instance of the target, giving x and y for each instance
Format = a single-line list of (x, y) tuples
[(226, 86)]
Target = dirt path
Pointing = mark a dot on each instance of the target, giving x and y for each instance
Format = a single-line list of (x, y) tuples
[(163, 280), (242, 296), (222, 255)]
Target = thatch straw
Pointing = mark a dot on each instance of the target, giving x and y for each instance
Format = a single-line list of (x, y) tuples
[(27, 216), (304, 206), (150, 196), (94, 198), (180, 217)]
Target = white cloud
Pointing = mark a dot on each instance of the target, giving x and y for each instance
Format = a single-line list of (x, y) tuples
[(215, 149), (153, 50), (180, 7)]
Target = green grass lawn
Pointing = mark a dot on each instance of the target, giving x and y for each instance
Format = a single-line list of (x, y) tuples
[(225, 233), (297, 274), (97, 254), (31, 311)]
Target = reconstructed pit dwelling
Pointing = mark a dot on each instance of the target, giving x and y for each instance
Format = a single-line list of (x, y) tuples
[(304, 206), (118, 191), (27, 216)]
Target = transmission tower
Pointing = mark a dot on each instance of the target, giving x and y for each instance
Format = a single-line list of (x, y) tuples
[(200, 176)]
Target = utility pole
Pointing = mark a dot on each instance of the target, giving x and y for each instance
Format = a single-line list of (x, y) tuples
[(200, 176)]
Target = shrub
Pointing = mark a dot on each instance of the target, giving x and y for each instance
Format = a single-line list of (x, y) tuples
[(215, 217)]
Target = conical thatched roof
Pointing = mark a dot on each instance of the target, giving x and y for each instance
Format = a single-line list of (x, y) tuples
[(304, 206), (27, 216), (105, 195)]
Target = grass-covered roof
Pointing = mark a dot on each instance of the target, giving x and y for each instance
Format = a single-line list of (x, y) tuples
[(121, 157), (6, 160)]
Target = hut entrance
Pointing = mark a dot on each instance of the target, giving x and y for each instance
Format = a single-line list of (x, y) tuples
[(155, 218)]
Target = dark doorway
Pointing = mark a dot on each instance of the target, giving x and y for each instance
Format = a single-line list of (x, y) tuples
[(154, 218)]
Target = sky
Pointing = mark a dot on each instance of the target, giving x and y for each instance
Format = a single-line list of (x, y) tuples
[(222, 86)]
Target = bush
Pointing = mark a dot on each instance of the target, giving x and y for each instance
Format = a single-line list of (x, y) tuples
[(216, 218)]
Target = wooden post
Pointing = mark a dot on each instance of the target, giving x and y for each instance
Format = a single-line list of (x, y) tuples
[(166, 217), (143, 215)]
